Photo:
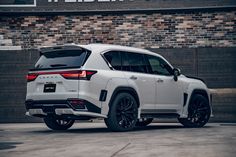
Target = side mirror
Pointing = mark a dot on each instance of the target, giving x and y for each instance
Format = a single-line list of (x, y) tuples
[(176, 73)]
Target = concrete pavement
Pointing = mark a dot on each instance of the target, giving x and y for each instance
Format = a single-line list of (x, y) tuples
[(95, 140)]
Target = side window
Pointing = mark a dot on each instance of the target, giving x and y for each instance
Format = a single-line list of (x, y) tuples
[(113, 57), (133, 62), (158, 66), (125, 61)]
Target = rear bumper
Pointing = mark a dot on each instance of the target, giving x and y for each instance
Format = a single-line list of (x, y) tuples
[(64, 111), (42, 108)]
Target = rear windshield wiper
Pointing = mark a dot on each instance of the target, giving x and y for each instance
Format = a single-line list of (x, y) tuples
[(58, 65)]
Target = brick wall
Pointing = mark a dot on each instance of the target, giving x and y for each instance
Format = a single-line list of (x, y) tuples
[(151, 30)]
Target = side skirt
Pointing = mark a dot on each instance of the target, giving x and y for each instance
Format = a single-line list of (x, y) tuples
[(167, 113)]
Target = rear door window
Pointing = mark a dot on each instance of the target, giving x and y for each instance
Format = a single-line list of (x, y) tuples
[(133, 62), (61, 59), (125, 62)]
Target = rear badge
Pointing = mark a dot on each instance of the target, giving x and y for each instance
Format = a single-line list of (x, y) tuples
[(49, 88)]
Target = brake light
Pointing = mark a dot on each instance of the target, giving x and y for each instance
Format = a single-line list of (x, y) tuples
[(78, 75), (31, 77), (75, 75)]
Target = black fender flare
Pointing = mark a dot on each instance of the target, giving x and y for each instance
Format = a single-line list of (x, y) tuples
[(129, 90), (202, 92)]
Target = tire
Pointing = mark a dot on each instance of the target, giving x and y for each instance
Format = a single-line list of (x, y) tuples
[(58, 124), (123, 113), (199, 112), (144, 121)]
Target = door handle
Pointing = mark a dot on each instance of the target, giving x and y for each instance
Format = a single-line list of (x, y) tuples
[(133, 78), (160, 81)]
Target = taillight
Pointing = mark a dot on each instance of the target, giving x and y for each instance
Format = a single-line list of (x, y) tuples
[(31, 77), (74, 75), (78, 75)]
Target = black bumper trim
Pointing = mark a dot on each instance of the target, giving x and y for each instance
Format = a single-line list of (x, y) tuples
[(49, 106)]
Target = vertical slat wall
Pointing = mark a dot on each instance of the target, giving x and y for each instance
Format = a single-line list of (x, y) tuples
[(14, 66)]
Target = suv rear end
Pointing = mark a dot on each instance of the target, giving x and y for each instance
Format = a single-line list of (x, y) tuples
[(57, 86)]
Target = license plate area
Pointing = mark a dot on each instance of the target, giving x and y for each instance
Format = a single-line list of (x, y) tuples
[(49, 88)]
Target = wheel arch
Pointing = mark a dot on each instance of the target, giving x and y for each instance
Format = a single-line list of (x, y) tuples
[(129, 90), (191, 94), (184, 120), (202, 92)]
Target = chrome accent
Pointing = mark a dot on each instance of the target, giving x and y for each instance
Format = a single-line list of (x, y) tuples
[(61, 111), (32, 112), (160, 80), (133, 77)]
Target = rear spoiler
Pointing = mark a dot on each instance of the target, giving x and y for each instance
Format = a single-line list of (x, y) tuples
[(42, 50)]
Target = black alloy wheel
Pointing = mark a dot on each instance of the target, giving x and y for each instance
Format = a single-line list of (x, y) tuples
[(123, 113), (199, 112)]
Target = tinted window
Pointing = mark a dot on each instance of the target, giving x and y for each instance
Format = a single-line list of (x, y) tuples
[(158, 66), (61, 59), (125, 61), (133, 62), (114, 59)]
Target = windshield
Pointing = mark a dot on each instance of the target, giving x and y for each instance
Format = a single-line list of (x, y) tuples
[(61, 59)]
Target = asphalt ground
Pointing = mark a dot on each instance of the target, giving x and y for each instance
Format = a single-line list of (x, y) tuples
[(95, 140)]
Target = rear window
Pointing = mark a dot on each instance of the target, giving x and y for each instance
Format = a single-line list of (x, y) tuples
[(113, 57), (61, 59)]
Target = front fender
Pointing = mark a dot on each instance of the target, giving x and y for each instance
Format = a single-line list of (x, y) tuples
[(190, 90)]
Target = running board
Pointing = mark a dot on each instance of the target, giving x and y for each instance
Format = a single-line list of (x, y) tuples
[(160, 115)]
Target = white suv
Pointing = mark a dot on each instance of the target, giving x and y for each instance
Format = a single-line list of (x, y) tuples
[(125, 86)]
